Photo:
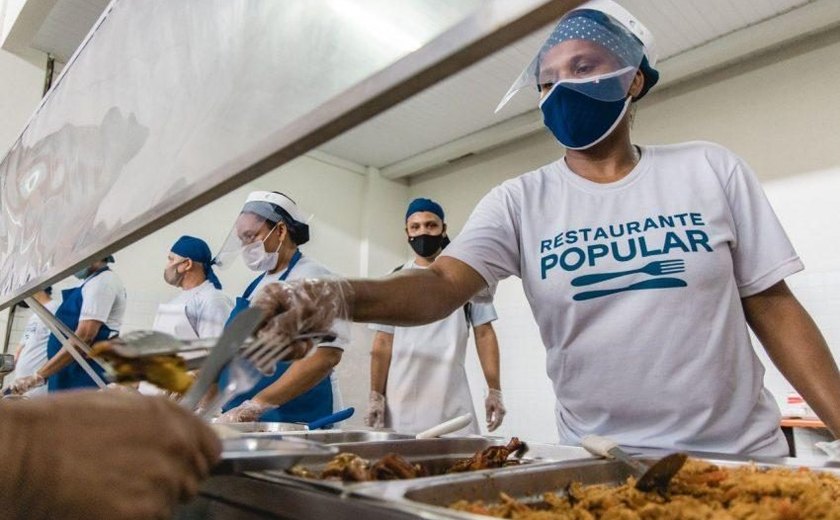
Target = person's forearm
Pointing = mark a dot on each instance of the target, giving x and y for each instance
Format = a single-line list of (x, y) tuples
[(55, 363), (380, 362), (487, 347), (798, 349), (86, 331), (415, 296), (301, 376)]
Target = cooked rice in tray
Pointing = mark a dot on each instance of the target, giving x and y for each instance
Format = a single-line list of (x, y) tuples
[(699, 491)]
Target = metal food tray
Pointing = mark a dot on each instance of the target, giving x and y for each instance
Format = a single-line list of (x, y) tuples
[(154, 343), (246, 453), (435, 454), (271, 429), (525, 483)]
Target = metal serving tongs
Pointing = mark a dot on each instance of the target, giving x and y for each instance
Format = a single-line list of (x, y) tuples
[(78, 349), (648, 478), (243, 326), (145, 343)]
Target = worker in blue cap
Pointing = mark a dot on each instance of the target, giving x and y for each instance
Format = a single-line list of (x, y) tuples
[(94, 310), (201, 308), (417, 374)]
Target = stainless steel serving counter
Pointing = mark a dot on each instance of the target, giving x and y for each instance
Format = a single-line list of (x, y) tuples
[(273, 494)]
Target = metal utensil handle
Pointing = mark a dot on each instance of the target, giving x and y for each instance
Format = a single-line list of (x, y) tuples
[(638, 468), (609, 449), (243, 326), (69, 341), (242, 377)]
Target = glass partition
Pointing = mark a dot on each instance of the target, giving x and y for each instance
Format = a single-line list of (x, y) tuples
[(169, 105)]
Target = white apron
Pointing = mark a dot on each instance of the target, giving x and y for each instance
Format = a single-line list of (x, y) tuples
[(427, 382), (171, 318)]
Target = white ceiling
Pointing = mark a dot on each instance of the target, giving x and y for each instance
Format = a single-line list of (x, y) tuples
[(419, 133), (66, 26)]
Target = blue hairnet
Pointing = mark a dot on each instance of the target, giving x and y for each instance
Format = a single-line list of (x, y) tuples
[(421, 204), (598, 27), (197, 250)]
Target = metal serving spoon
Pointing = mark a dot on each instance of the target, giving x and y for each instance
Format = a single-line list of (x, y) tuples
[(648, 478)]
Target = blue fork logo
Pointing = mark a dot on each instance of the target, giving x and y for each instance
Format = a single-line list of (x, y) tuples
[(658, 269)]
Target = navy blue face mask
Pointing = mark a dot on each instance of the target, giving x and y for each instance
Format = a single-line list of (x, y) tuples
[(579, 121)]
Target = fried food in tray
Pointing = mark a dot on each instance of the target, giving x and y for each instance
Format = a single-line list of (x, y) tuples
[(348, 467), (700, 490), (166, 371), (492, 457)]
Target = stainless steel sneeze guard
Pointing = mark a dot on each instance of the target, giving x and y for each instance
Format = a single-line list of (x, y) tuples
[(170, 105)]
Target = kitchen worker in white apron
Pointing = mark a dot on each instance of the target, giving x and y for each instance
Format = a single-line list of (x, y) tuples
[(417, 374), (267, 235), (201, 309), (644, 266), (94, 310), (31, 354)]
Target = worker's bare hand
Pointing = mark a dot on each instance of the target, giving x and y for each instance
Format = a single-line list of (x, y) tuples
[(103, 455)]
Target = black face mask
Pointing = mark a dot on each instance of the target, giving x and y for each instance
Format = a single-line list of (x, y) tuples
[(428, 245)]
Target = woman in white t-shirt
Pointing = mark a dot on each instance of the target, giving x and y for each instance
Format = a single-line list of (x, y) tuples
[(643, 266)]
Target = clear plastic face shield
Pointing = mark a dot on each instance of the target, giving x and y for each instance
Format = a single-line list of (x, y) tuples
[(588, 51), (264, 214)]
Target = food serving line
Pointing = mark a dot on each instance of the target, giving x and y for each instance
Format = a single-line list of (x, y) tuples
[(252, 481), (276, 493)]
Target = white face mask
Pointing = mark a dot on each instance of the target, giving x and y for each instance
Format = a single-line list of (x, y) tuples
[(257, 258)]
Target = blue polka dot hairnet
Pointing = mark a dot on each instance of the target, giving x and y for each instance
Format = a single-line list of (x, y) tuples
[(596, 27), (620, 51)]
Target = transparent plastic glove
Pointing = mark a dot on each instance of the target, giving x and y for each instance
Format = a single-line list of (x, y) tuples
[(146, 455), (832, 449), (249, 411), (375, 416), (495, 409), (24, 384), (302, 307)]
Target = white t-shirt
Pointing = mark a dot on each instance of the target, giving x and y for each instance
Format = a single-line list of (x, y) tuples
[(33, 355), (207, 309), (667, 367), (104, 300), (308, 268)]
